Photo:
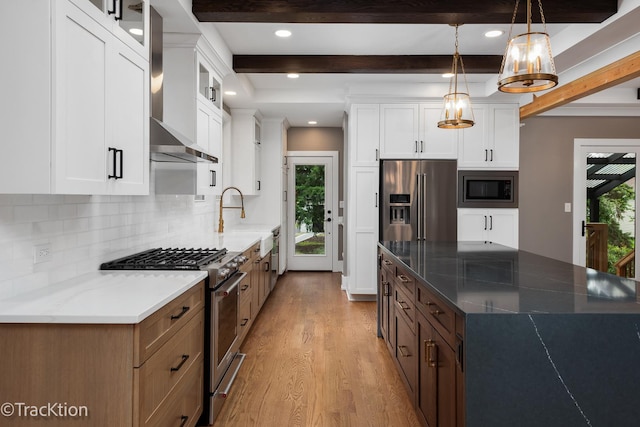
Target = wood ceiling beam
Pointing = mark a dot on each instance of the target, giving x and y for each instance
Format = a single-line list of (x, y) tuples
[(625, 69), (363, 64), (398, 11)]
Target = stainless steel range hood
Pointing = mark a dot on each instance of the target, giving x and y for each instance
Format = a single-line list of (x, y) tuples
[(166, 143)]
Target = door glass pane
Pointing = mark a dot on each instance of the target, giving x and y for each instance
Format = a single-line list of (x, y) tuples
[(133, 19), (610, 227), (310, 209)]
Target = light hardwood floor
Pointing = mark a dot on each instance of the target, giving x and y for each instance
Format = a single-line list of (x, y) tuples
[(313, 359)]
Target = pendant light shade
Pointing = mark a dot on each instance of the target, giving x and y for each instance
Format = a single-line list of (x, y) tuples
[(456, 112), (527, 65)]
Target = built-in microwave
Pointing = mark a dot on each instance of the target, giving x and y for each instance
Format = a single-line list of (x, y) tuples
[(487, 189)]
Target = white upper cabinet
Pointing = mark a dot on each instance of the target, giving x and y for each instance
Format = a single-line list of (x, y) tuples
[(192, 101), (245, 151), (411, 131), (364, 134), (494, 141), (128, 20), (89, 132)]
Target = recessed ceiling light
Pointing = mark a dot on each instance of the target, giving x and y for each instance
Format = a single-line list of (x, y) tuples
[(447, 75), (312, 122), (230, 92), (136, 31), (293, 75), (494, 33), (283, 33)]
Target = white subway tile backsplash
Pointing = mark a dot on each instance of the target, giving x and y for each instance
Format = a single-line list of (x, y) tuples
[(85, 231)]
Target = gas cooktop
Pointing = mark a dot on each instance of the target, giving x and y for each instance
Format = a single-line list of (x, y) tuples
[(167, 259)]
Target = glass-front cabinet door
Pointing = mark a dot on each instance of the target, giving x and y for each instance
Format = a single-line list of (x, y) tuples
[(126, 19)]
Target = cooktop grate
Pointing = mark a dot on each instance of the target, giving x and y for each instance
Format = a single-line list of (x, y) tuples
[(167, 259)]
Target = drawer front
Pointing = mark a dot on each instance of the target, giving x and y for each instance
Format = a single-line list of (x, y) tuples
[(158, 328), (388, 264), (405, 280), (159, 375), (245, 289), (183, 406), (244, 319), (404, 307), (439, 314)]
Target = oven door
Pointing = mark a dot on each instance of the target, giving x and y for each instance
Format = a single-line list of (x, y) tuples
[(224, 327)]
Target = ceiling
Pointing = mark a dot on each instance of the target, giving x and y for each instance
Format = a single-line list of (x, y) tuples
[(323, 95)]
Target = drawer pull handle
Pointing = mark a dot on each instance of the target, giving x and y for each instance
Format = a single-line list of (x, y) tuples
[(402, 352), (402, 305), (430, 348), (182, 313), (183, 420), (403, 278), (428, 303), (244, 322), (437, 312), (244, 288), (185, 357), (387, 262)]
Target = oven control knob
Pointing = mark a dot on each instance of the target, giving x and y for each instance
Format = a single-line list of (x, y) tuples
[(223, 273), (232, 265), (240, 259)]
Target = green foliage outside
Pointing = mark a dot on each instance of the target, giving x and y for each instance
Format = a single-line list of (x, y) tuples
[(613, 207), (310, 197)]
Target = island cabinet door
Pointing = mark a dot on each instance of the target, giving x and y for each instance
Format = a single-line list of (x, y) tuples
[(386, 306), (436, 391)]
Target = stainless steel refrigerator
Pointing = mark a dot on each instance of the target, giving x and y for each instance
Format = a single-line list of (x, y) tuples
[(418, 200)]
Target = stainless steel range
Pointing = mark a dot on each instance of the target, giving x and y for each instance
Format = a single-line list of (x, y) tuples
[(222, 356)]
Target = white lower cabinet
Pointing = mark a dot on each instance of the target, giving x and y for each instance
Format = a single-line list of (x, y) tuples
[(489, 225), (92, 133), (362, 233)]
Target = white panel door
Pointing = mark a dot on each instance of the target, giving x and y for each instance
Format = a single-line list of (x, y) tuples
[(129, 112), (398, 131), (81, 128)]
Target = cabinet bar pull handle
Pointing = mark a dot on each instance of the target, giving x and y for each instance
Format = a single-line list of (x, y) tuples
[(486, 155), (387, 289), (185, 357), (403, 278), (376, 200), (416, 149), (244, 322), (490, 222), (113, 174), (485, 222), (182, 313), (244, 288), (212, 93), (437, 312), (491, 158), (113, 8), (183, 420), (428, 303), (377, 155), (402, 305), (387, 262), (259, 185), (422, 146), (401, 351), (430, 345), (121, 174)]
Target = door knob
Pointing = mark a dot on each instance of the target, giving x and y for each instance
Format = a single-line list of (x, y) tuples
[(328, 219)]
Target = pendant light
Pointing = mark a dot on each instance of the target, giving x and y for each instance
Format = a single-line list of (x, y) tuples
[(527, 64), (457, 112)]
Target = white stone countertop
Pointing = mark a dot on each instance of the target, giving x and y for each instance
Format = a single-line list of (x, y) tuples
[(103, 297)]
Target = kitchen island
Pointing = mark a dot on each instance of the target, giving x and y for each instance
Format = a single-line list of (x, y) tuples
[(485, 335)]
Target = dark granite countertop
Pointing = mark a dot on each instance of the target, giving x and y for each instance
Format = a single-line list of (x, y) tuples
[(479, 277)]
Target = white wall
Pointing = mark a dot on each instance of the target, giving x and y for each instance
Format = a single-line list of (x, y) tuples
[(84, 231)]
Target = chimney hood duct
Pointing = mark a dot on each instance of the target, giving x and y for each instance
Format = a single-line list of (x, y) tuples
[(166, 143)]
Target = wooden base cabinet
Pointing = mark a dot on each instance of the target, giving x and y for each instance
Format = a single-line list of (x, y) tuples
[(147, 374), (436, 391)]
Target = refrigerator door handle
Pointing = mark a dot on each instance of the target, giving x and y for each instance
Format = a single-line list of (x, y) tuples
[(419, 204), (424, 206)]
